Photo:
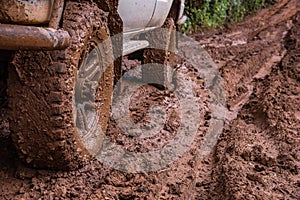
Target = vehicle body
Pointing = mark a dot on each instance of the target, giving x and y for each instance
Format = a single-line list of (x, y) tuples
[(55, 55)]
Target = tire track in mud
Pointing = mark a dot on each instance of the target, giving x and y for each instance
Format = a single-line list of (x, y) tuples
[(253, 150)]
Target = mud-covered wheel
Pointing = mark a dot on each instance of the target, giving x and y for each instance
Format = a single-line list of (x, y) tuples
[(163, 45), (60, 100)]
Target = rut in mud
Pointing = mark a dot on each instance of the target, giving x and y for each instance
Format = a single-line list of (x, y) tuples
[(257, 155)]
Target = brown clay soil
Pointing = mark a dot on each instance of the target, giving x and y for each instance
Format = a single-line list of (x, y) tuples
[(257, 155)]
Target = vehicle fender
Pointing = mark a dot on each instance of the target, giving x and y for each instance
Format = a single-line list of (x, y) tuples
[(136, 14), (162, 9)]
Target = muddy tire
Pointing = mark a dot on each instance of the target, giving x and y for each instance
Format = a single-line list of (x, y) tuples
[(58, 99), (163, 45)]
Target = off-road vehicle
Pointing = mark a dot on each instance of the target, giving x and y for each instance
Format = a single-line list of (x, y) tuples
[(51, 53)]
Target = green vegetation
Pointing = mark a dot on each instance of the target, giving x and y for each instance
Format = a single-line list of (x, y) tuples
[(215, 13)]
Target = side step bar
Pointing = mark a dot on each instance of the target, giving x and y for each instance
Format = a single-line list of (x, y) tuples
[(16, 37)]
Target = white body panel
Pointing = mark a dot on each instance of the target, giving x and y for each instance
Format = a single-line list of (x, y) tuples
[(161, 12), (136, 14), (143, 14)]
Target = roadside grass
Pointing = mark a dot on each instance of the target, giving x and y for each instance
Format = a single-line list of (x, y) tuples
[(212, 14)]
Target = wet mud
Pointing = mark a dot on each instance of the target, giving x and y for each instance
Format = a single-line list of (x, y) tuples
[(257, 155)]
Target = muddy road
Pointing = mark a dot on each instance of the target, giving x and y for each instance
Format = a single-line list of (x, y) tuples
[(257, 155)]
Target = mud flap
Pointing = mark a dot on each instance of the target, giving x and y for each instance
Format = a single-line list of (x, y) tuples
[(161, 52)]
